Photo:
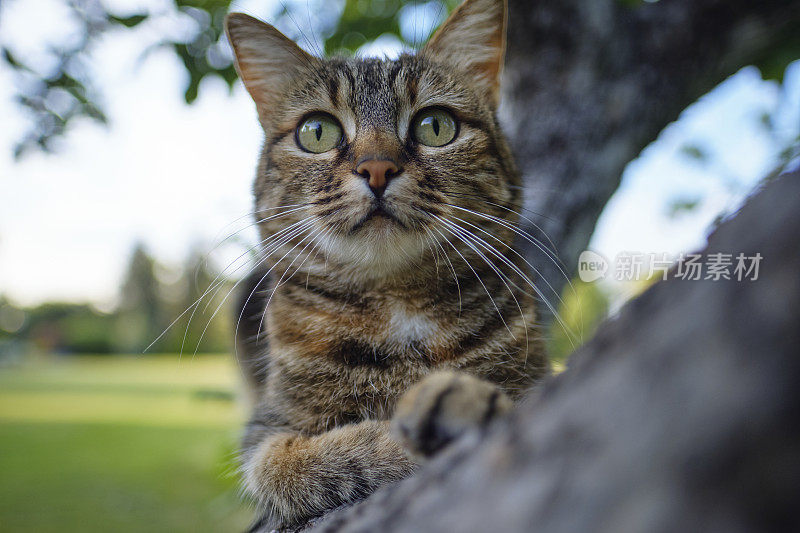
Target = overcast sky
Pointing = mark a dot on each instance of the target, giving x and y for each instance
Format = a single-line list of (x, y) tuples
[(174, 175)]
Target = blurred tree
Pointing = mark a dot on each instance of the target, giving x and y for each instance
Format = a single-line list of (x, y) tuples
[(184, 313), (204, 318), (61, 89), (12, 318), (60, 328), (141, 313)]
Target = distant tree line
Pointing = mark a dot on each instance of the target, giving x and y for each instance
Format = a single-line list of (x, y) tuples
[(172, 309)]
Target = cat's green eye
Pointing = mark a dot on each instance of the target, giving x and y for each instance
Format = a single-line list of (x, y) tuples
[(434, 127), (319, 133)]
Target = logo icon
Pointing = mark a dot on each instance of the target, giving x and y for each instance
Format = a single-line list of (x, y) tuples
[(591, 266)]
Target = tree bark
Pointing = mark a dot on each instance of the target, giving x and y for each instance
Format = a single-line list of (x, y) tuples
[(589, 83), (680, 415)]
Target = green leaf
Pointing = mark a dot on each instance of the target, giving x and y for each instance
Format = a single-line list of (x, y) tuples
[(128, 22), (11, 60), (772, 61), (679, 206), (695, 152)]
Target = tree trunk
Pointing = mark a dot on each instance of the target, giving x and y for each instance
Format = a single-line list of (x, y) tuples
[(589, 83), (680, 415)]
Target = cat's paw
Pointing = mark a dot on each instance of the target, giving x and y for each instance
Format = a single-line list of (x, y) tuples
[(444, 406)]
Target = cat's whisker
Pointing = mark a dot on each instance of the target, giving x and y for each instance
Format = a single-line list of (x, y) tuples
[(253, 215), (549, 251), (217, 281), (292, 208), (571, 335), (452, 269), (567, 330), (191, 307), (434, 253), (317, 250), (313, 235), (527, 236), (216, 286), (275, 245), (551, 254), (552, 249), (310, 43), (317, 49), (311, 242), (478, 277), (250, 295), (469, 239), (512, 250), (264, 313), (266, 243), (297, 231), (516, 205)]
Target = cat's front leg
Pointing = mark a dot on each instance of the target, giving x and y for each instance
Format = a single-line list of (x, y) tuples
[(442, 407), (295, 478)]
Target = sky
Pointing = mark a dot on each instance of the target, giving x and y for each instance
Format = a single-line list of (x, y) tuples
[(177, 176)]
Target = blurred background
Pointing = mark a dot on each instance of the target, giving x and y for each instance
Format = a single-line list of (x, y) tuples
[(127, 149)]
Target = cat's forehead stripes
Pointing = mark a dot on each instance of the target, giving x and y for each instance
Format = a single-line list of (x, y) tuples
[(367, 91), (375, 101)]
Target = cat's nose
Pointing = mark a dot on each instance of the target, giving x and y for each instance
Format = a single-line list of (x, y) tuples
[(378, 172)]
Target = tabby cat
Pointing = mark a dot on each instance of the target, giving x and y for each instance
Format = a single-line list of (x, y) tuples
[(394, 313)]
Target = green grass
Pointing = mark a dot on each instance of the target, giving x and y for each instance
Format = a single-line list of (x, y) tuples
[(119, 444)]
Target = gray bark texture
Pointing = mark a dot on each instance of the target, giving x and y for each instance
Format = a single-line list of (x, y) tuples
[(682, 414), (589, 83)]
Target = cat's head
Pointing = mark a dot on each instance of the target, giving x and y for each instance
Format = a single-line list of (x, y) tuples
[(374, 155)]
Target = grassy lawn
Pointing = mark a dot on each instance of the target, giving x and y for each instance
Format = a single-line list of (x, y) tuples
[(119, 444)]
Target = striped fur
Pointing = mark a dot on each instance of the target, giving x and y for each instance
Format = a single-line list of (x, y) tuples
[(360, 308)]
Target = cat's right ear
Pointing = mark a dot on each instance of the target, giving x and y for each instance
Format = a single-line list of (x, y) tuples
[(265, 59), (473, 40)]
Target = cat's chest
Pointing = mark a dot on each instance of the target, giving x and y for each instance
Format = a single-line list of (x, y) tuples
[(379, 333), (408, 324)]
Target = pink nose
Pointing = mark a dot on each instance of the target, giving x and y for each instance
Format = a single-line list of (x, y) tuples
[(378, 172)]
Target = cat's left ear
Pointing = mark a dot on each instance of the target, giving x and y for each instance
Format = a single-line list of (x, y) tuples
[(267, 61), (473, 40)]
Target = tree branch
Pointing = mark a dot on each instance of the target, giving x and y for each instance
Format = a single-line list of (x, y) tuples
[(589, 83)]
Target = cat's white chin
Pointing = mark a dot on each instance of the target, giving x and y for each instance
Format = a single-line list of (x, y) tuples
[(377, 250)]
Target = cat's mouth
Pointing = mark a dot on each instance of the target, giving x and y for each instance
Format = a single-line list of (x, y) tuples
[(379, 214)]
